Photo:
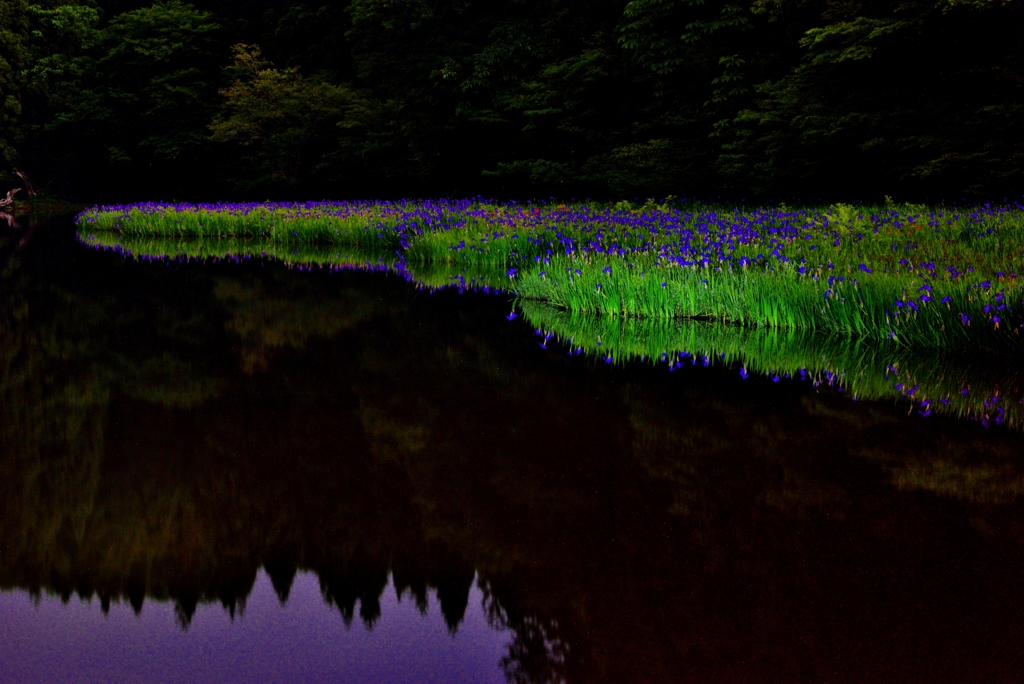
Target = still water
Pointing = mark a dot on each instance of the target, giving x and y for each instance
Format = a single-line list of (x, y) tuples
[(239, 472), (271, 641)]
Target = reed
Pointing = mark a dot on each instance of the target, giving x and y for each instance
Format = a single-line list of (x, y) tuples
[(907, 311), (299, 255), (986, 389), (361, 223), (916, 276)]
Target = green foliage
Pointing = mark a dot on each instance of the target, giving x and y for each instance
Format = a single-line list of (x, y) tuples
[(873, 93), (287, 119), (860, 367), (356, 225), (854, 281), (609, 99), (128, 100), (14, 55), (40, 46), (215, 247), (756, 298), (154, 61)]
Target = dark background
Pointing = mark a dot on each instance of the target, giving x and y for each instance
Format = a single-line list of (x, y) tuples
[(118, 100)]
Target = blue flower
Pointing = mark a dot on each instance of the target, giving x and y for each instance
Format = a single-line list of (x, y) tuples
[(865, 269)]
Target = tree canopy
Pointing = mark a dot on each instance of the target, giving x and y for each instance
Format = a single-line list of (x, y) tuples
[(771, 99)]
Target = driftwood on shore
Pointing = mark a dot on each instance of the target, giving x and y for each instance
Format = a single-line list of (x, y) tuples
[(10, 197), (24, 179)]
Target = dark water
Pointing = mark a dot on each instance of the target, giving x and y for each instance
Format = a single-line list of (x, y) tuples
[(250, 473)]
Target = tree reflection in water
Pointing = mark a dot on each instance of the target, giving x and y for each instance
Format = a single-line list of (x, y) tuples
[(168, 430)]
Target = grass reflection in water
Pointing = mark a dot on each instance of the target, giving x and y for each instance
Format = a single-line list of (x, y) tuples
[(988, 388)]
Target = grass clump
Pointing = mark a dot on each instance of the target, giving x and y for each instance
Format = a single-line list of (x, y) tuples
[(955, 384), (299, 255)]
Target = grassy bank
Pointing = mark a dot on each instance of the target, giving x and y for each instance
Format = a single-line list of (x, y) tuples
[(214, 249), (988, 389), (962, 383), (915, 276)]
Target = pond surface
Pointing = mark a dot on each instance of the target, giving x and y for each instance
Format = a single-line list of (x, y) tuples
[(299, 640), (245, 471)]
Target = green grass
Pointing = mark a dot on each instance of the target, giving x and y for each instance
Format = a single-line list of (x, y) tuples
[(782, 299), (303, 254), (986, 388), (909, 276), (358, 225)]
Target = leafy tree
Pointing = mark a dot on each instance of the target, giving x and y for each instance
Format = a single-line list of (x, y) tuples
[(132, 116), (414, 62), (14, 54), (608, 98), (284, 118), (925, 97), (40, 50)]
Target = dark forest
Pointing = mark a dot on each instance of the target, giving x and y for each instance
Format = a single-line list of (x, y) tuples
[(116, 100)]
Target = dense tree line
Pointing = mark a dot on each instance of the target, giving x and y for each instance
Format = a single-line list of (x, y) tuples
[(851, 99)]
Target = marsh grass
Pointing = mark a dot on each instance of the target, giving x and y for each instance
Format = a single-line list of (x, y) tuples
[(986, 389), (490, 278), (357, 224), (912, 276), (307, 255), (878, 307)]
